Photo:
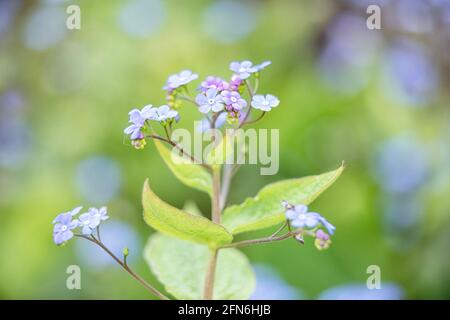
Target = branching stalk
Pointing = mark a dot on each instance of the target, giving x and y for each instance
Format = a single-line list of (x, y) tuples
[(247, 243), (125, 266)]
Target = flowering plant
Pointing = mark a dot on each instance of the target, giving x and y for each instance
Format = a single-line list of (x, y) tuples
[(193, 256)]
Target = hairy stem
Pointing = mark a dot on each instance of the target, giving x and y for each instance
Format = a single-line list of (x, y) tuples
[(227, 176), (215, 216), (215, 201), (125, 266), (210, 275), (246, 243)]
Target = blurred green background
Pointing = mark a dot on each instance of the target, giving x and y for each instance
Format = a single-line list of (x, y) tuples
[(377, 99)]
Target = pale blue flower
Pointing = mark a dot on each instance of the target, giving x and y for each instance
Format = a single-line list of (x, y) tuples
[(244, 69), (101, 214), (62, 216), (134, 131), (88, 222), (92, 219), (209, 100), (180, 79), (265, 103), (164, 113), (299, 217), (137, 120), (63, 226)]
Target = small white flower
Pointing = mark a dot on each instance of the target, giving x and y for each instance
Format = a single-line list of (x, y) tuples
[(180, 79), (265, 103)]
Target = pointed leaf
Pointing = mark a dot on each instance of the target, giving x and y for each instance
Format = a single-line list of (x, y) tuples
[(181, 267), (191, 174), (175, 222), (265, 210)]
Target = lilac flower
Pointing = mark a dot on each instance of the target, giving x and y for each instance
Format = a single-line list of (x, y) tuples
[(233, 100), (262, 65), (63, 224), (164, 113), (301, 218), (235, 82), (209, 100), (213, 83), (180, 79), (244, 69), (265, 103)]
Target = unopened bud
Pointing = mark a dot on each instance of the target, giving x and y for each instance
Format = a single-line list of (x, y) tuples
[(139, 144)]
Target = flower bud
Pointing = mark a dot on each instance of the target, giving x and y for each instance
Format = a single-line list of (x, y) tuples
[(322, 240), (125, 252), (139, 144)]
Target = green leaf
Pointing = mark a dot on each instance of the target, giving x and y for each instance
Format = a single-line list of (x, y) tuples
[(265, 210), (175, 222), (181, 267), (191, 174), (191, 207)]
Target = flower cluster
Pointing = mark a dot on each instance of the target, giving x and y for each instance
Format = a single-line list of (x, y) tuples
[(216, 97), (65, 223), (299, 217)]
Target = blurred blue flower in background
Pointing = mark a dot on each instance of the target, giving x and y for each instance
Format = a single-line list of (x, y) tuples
[(45, 27), (116, 236), (141, 18), (15, 142), (349, 53), (270, 286), (365, 3), (409, 75), (415, 16), (356, 291), (8, 11), (227, 21), (98, 179), (401, 164), (402, 219)]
